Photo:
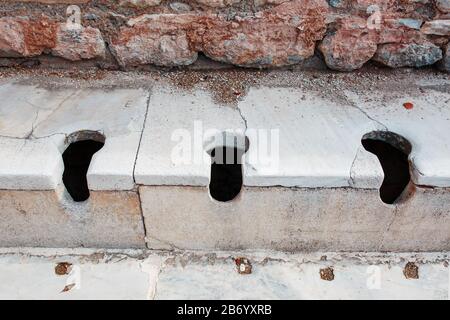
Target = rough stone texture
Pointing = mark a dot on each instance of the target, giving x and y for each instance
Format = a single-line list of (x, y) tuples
[(397, 29), (354, 42), (437, 27), (281, 36), (295, 219), (180, 7), (350, 46), (262, 33), (23, 37), (11, 39), (78, 44), (139, 3), (217, 3), (443, 5), (408, 55), (157, 39), (49, 219), (444, 64), (422, 221)]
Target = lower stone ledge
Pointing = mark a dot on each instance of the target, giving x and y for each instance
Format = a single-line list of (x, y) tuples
[(285, 219), (291, 219), (46, 219)]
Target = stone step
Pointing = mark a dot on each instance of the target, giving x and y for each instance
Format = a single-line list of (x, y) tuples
[(130, 166), (140, 274)]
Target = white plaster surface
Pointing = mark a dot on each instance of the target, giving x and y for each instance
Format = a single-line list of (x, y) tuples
[(319, 137), (29, 274), (426, 126), (35, 113), (290, 281), (177, 128), (34, 278), (319, 140), (29, 164)]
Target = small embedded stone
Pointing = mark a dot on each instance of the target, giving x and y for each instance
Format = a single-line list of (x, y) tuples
[(437, 27), (217, 3), (78, 44), (411, 271), (408, 55), (180, 7), (243, 265), (139, 3), (63, 268), (408, 105), (350, 47), (410, 23), (327, 274)]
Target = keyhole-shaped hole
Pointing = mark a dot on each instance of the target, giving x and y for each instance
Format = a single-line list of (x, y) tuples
[(77, 158), (226, 172), (392, 151)]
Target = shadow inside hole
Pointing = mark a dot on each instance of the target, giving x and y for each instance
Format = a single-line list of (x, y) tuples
[(77, 158), (392, 151), (226, 173)]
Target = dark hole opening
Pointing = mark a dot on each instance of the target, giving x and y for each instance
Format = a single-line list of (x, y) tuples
[(77, 158), (226, 173), (392, 151)]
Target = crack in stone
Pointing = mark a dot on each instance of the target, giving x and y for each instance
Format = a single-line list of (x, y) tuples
[(134, 169), (142, 134), (152, 266), (351, 181), (354, 105), (369, 117), (50, 135), (414, 168), (35, 125), (12, 137), (164, 242), (30, 134), (243, 118), (388, 228)]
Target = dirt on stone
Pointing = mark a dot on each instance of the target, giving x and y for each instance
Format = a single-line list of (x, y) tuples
[(68, 287), (226, 86), (229, 86)]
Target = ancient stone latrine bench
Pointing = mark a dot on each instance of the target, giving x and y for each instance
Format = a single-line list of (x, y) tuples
[(43, 167), (130, 167), (312, 170)]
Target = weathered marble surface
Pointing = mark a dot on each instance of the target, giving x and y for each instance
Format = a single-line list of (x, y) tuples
[(30, 274)]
